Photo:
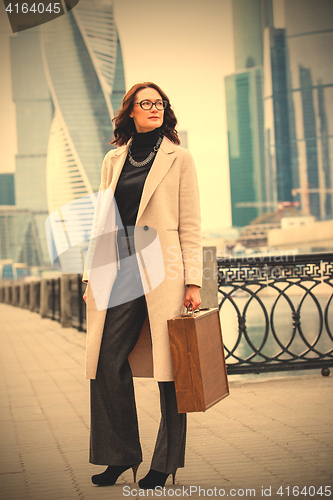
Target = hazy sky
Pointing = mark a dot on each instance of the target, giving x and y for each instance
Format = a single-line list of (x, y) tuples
[(186, 47)]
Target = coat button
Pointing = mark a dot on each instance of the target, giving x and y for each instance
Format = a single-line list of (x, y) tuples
[(145, 228)]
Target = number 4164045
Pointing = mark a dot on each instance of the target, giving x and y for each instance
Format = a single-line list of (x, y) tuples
[(311, 491), (35, 8)]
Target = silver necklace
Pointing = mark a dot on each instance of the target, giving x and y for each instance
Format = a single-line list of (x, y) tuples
[(149, 157)]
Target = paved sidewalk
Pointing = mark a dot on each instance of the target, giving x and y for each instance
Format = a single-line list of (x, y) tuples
[(272, 433)]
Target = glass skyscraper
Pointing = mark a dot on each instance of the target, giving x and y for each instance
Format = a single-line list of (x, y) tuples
[(68, 81), (7, 191), (245, 114), (297, 111), (309, 40), (277, 120), (250, 17), (246, 144)]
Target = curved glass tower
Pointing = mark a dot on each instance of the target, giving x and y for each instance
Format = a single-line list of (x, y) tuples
[(68, 81), (83, 62), (84, 69)]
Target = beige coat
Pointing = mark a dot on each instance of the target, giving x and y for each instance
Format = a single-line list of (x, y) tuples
[(170, 206)]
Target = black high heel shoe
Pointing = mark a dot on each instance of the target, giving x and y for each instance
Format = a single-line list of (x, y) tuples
[(111, 474), (154, 478)]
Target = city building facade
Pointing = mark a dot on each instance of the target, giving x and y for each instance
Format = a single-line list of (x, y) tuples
[(309, 42), (296, 108), (246, 144), (68, 82), (245, 113), (7, 189), (278, 161)]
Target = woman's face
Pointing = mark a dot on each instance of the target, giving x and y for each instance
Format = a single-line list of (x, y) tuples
[(147, 120)]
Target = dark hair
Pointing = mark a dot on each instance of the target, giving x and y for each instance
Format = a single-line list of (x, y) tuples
[(124, 125)]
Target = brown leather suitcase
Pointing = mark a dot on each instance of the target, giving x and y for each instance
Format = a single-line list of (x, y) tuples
[(198, 360)]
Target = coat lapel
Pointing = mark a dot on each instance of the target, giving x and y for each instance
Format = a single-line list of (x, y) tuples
[(118, 161), (163, 161)]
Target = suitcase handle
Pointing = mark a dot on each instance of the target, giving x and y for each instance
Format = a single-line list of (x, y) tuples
[(190, 312)]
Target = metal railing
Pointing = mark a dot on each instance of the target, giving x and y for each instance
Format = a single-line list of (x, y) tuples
[(26, 295), (36, 305), (78, 308), (54, 302), (276, 312), (290, 327)]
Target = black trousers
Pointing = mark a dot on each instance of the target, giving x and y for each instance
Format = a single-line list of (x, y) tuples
[(114, 435)]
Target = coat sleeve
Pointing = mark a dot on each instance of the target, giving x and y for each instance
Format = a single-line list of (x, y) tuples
[(190, 222), (102, 187)]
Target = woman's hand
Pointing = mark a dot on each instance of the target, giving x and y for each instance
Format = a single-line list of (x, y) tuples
[(85, 295), (192, 297)]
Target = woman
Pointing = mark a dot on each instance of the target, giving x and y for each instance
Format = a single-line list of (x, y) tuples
[(156, 193)]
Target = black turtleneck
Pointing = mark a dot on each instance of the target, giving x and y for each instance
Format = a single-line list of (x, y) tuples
[(132, 179)]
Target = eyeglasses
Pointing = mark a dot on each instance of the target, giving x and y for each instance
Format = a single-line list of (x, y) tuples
[(147, 104)]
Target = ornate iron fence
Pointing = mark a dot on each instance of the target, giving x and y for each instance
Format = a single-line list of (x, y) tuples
[(26, 292), (54, 305), (36, 305), (276, 312), (78, 307), (291, 328), (17, 295)]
